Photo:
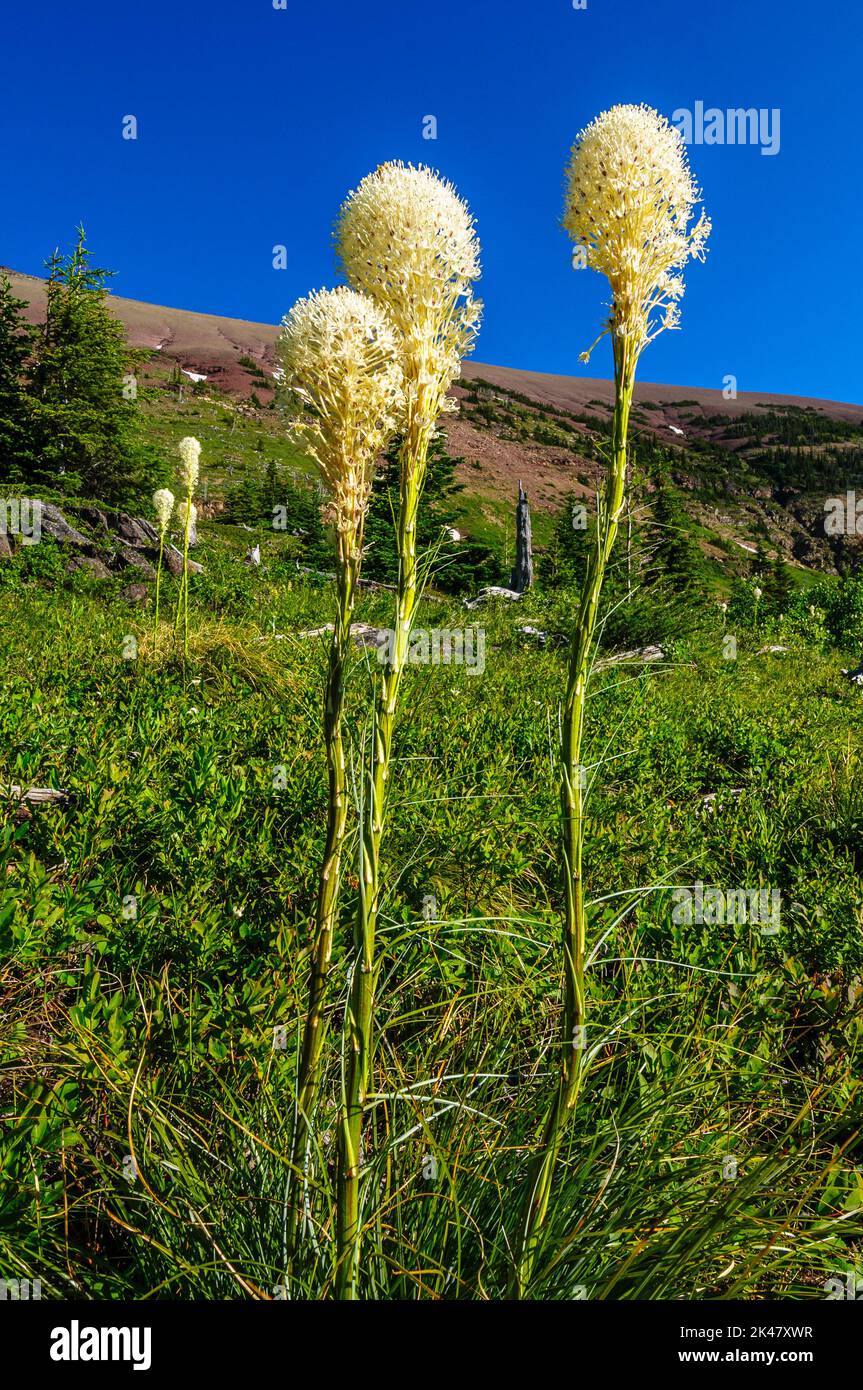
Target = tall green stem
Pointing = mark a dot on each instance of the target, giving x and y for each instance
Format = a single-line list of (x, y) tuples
[(158, 582), (361, 1002), (572, 1036), (186, 529), (350, 551)]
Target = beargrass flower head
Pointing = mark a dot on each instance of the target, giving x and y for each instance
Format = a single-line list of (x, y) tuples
[(630, 201), (163, 505), (407, 239), (186, 511), (340, 357), (190, 461), (757, 593)]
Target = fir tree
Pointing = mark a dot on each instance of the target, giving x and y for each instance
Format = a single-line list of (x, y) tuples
[(85, 414), (565, 559)]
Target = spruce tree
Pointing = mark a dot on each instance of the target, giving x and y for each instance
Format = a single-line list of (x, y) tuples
[(16, 416)]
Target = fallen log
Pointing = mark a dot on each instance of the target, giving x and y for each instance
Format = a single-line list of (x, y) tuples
[(38, 795)]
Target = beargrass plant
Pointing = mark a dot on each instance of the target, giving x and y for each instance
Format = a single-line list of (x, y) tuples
[(629, 204), (163, 505), (339, 357), (190, 467), (407, 240)]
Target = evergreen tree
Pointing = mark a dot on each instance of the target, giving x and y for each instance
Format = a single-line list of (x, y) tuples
[(459, 565), (676, 558), (565, 559), (759, 565), (16, 416), (778, 584), (85, 415)]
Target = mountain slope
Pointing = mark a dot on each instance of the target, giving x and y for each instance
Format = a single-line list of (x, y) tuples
[(757, 467)]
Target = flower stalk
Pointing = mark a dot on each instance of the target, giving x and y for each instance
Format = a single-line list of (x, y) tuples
[(408, 241), (629, 202), (190, 463), (163, 503), (339, 357)]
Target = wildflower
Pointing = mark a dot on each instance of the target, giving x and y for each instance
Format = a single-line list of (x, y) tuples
[(405, 238), (163, 505), (758, 593), (629, 202), (630, 198), (338, 353), (186, 511), (408, 240), (190, 462)]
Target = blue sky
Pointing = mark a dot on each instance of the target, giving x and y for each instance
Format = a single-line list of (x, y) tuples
[(254, 121)]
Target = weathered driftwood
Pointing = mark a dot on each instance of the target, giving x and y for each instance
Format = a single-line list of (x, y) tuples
[(639, 654), (38, 795), (364, 583)]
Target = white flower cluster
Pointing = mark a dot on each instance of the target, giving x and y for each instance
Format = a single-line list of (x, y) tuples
[(190, 462), (629, 202), (407, 240), (163, 504), (339, 354)]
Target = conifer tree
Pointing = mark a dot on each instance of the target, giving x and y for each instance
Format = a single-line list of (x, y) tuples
[(16, 420), (85, 416), (676, 558)]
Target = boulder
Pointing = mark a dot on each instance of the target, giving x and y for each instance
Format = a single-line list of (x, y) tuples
[(92, 516), (134, 529), (361, 633), (135, 593), (174, 562), (127, 557), (55, 525), (96, 567), (493, 591), (856, 676)]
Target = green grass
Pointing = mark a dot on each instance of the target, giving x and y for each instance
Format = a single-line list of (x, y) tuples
[(716, 1149)]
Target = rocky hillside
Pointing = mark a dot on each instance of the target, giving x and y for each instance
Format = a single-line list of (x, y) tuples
[(756, 468)]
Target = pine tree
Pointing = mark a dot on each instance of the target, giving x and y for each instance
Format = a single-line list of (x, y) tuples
[(16, 343), (85, 415)]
